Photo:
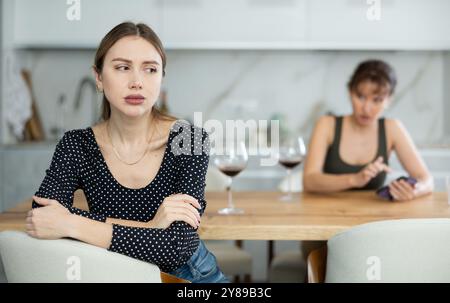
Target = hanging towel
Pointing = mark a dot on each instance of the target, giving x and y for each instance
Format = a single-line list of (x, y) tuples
[(17, 103)]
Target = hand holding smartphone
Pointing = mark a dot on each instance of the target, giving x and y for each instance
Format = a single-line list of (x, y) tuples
[(384, 192)]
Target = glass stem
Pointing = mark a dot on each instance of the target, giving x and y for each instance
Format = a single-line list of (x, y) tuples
[(230, 198), (289, 182)]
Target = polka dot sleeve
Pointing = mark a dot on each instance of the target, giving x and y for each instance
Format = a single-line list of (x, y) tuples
[(172, 247), (62, 178)]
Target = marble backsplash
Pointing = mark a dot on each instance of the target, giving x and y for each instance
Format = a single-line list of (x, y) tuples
[(296, 85), (302, 85)]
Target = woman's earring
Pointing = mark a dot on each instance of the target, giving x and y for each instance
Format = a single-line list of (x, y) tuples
[(99, 90)]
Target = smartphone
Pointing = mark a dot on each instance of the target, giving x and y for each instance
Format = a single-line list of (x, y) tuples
[(384, 193)]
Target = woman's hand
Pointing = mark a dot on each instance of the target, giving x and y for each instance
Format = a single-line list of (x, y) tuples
[(178, 207), (369, 172), (402, 190), (48, 222)]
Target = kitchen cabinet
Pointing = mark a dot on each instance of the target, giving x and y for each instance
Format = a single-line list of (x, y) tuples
[(242, 24), (44, 23), (402, 24), (233, 23)]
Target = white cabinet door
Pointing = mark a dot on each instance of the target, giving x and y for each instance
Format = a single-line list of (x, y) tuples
[(42, 23), (322, 24), (408, 24), (232, 23)]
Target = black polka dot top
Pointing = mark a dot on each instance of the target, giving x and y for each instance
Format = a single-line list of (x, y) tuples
[(78, 164)]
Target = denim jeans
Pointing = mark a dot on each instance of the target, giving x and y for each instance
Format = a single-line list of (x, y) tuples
[(201, 268)]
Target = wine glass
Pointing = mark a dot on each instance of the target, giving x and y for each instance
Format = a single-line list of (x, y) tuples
[(291, 154), (231, 163)]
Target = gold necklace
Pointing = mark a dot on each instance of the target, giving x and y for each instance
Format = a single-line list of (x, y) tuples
[(117, 154)]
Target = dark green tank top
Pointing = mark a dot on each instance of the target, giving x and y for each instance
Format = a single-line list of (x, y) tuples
[(335, 165)]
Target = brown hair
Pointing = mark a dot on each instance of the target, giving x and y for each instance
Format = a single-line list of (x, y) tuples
[(376, 71), (120, 31)]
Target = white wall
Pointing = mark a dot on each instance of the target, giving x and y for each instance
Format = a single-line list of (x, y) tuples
[(297, 84)]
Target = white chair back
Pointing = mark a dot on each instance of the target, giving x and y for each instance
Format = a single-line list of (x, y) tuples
[(408, 250), (26, 259)]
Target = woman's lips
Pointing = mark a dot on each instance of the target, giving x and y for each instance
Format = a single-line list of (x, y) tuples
[(134, 100)]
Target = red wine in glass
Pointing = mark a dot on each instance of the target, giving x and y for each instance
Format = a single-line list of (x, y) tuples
[(290, 163), (231, 170), (231, 163), (290, 155)]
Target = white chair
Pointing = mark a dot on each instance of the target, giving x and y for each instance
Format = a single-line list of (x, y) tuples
[(407, 250), (26, 259)]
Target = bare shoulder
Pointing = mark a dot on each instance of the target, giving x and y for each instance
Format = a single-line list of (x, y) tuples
[(325, 124), (326, 120), (395, 127), (396, 132), (325, 127)]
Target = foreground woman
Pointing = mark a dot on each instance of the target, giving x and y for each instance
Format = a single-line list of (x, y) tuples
[(143, 173)]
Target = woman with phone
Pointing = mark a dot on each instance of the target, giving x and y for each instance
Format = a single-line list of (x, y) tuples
[(352, 151)]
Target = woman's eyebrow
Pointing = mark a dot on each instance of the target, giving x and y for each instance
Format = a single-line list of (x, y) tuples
[(129, 61), (151, 62)]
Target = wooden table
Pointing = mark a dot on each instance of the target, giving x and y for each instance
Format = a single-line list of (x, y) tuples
[(309, 217)]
